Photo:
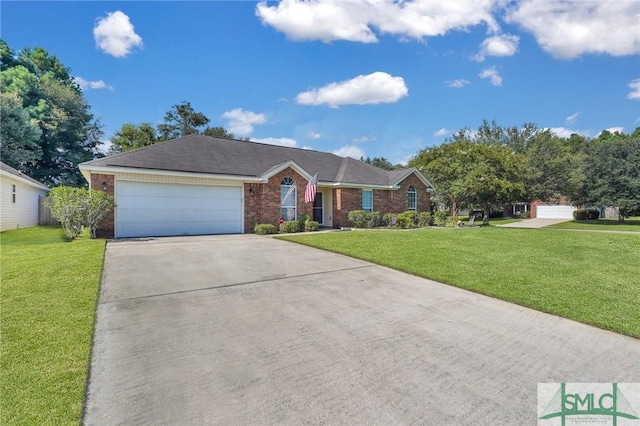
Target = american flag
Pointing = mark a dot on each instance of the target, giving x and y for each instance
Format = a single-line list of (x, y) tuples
[(310, 192)]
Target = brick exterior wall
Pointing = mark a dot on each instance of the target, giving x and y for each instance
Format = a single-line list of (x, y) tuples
[(264, 205), (262, 200), (106, 228), (345, 200), (384, 201)]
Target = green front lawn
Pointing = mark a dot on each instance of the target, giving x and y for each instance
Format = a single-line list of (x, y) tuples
[(600, 225), (589, 277), (49, 295)]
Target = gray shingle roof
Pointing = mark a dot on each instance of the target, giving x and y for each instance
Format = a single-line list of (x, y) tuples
[(221, 156)]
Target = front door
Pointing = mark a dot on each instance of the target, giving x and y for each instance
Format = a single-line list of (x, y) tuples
[(317, 208)]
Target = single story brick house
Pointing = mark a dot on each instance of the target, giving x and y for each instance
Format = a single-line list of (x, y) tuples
[(20, 198), (204, 185)]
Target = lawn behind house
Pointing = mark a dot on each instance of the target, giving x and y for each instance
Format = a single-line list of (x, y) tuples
[(49, 294), (589, 277), (600, 225)]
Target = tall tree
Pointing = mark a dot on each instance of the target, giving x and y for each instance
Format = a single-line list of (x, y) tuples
[(131, 136), (469, 174), (19, 134), (219, 132), (53, 102), (182, 120), (613, 172)]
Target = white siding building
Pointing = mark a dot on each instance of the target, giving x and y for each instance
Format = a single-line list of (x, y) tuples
[(19, 196)]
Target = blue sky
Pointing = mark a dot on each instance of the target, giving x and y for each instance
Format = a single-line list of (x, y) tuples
[(375, 77)]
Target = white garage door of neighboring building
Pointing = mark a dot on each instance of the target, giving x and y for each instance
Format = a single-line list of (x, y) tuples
[(555, 212), (164, 209)]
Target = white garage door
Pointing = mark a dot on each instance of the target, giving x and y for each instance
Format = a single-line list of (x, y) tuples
[(555, 212), (162, 209)]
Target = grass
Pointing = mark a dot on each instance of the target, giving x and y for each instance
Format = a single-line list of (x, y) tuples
[(588, 277), (49, 295), (600, 225)]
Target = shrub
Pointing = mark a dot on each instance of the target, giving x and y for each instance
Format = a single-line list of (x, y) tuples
[(311, 225), (264, 229), (407, 219), (67, 207), (289, 226), (441, 218), (390, 220), (373, 220), (302, 220), (580, 214), (425, 219), (76, 208), (97, 204), (358, 218), (593, 214), (587, 214), (526, 215)]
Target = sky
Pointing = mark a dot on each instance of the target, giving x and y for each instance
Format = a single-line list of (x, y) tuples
[(372, 78)]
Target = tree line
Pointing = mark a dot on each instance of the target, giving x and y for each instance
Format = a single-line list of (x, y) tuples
[(181, 120), (495, 166)]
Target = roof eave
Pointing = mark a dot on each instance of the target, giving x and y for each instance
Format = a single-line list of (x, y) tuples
[(24, 180), (87, 169)]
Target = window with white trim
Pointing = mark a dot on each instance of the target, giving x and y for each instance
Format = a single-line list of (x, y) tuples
[(13, 194), (412, 198), (288, 199), (367, 200)]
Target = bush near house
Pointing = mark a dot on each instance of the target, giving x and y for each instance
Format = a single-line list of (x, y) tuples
[(265, 229), (302, 220), (289, 226), (404, 220), (311, 225)]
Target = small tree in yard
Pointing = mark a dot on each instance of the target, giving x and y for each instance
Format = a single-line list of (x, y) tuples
[(96, 206), (66, 206), (75, 208)]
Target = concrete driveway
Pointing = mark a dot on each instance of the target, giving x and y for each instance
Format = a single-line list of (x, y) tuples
[(251, 330)]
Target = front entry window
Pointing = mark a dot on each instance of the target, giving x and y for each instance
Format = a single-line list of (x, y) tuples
[(288, 199)]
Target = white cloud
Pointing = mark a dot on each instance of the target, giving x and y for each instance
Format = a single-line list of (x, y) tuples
[(458, 83), (115, 35), (288, 142), (572, 118), (441, 132), (568, 29), (635, 89), (313, 135), (87, 84), (355, 20), (363, 139), (375, 88), (499, 45), (241, 122), (493, 76), (564, 132), (614, 130), (349, 151)]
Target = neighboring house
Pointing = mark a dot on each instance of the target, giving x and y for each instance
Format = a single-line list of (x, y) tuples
[(553, 209), (204, 185), (19, 198)]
